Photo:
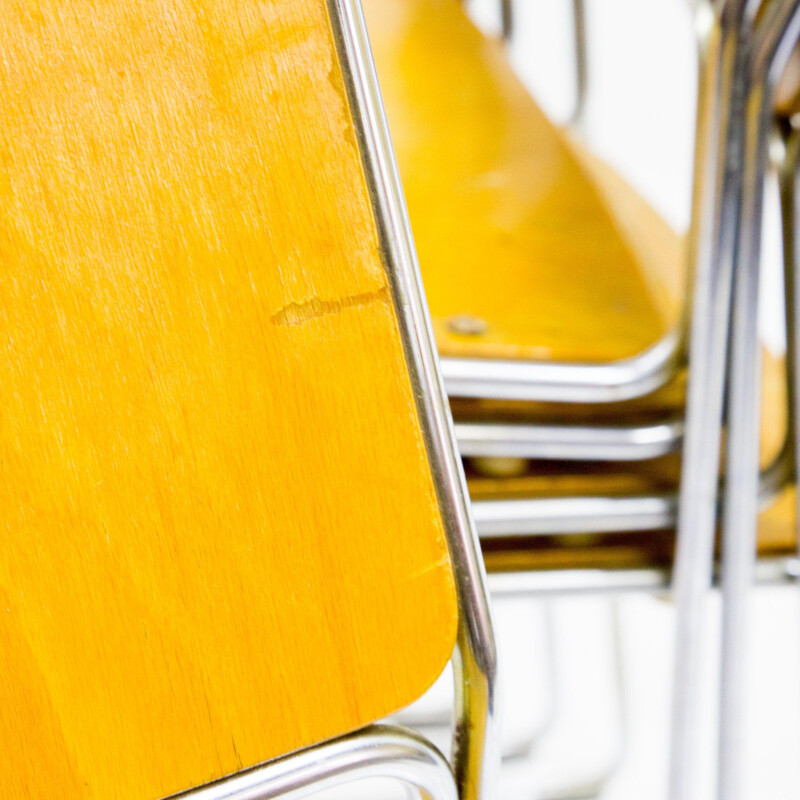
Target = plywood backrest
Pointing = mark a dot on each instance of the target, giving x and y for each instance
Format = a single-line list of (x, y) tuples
[(220, 538), (515, 233)]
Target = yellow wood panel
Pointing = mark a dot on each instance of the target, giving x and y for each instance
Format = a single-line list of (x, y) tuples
[(511, 226), (220, 536)]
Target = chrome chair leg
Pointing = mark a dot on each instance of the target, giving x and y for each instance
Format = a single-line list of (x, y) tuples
[(790, 214), (507, 19), (577, 119), (376, 752), (715, 224), (476, 746), (774, 38)]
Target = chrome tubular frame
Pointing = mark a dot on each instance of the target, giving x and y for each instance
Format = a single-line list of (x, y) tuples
[(774, 39), (568, 442), (376, 752), (716, 219), (577, 119), (745, 57), (476, 747), (542, 516), (769, 571), (789, 174), (507, 19), (563, 382)]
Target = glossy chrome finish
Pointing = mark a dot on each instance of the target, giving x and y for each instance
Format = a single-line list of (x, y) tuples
[(476, 746), (543, 516), (507, 19), (562, 382), (500, 519), (716, 209), (740, 60), (790, 214), (774, 39), (568, 442), (577, 120), (377, 752), (557, 582)]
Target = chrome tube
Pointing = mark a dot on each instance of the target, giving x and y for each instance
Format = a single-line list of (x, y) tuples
[(376, 752), (773, 41), (568, 442), (790, 218), (507, 19), (542, 516), (563, 382), (771, 571), (715, 224), (577, 119), (476, 744)]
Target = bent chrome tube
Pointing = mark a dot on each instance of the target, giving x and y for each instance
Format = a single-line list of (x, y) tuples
[(376, 752), (568, 442), (476, 744), (741, 62), (563, 382), (543, 516)]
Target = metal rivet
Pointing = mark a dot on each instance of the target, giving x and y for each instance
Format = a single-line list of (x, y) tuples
[(466, 325)]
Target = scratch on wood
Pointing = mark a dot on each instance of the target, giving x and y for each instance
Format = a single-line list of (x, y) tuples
[(440, 563), (298, 313)]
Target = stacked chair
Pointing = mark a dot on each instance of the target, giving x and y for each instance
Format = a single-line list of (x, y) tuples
[(234, 528), (557, 294), (237, 530), (590, 355)]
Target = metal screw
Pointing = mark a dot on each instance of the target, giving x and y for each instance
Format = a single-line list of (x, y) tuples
[(466, 325)]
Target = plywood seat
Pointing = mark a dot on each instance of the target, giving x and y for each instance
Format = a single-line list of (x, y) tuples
[(777, 536), (530, 249), (221, 538)]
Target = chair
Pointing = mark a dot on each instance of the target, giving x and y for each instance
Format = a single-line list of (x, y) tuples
[(524, 306), (234, 524), (741, 54)]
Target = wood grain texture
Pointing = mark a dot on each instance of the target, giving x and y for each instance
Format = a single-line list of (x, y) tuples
[(559, 258), (220, 538)]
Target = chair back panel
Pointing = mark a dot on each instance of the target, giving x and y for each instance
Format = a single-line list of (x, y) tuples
[(220, 535)]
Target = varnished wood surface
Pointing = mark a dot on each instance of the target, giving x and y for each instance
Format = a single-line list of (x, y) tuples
[(220, 538), (553, 252)]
